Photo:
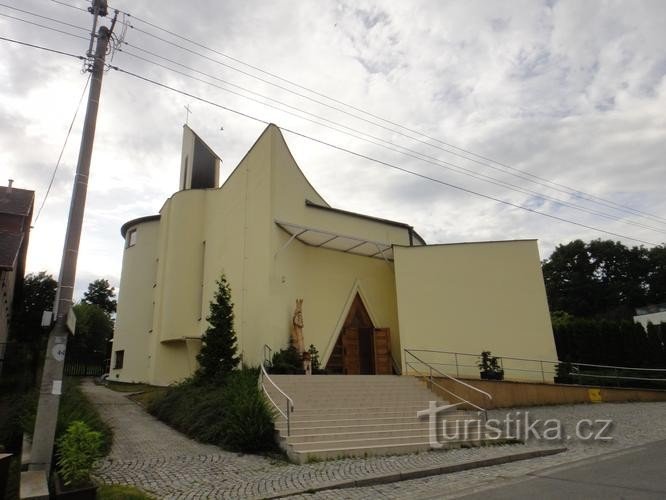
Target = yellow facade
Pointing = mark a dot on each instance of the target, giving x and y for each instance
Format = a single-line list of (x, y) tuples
[(474, 297), (245, 229)]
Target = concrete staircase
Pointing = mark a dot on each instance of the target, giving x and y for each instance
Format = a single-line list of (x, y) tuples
[(362, 415)]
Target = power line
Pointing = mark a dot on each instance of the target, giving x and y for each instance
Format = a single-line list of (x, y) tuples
[(43, 26), (530, 177), (410, 152), (69, 131), (43, 17), (375, 160), (42, 48), (71, 6)]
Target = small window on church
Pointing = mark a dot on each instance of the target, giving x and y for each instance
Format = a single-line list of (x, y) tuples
[(120, 359), (131, 238)]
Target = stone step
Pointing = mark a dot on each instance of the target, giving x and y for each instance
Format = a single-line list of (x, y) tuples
[(360, 427), (361, 415), (422, 431), (345, 407), (303, 457), (412, 438), (297, 425), (357, 414)]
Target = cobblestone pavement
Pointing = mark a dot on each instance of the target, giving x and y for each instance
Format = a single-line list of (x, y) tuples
[(150, 455), (635, 424)]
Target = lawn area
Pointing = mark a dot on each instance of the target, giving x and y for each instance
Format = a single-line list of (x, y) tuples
[(128, 387)]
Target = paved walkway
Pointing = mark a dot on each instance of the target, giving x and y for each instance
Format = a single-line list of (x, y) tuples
[(150, 455)]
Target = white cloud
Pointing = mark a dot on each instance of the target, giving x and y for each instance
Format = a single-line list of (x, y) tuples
[(566, 90)]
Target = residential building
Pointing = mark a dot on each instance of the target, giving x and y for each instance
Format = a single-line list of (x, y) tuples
[(16, 207)]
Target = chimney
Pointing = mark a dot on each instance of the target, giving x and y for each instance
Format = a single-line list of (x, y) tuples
[(9, 185)]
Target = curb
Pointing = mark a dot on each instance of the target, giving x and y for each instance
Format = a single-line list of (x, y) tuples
[(419, 473)]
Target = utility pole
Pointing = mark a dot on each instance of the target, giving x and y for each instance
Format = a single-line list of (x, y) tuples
[(51, 384)]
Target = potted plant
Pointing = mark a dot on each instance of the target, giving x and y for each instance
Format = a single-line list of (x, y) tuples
[(490, 367), (76, 453)]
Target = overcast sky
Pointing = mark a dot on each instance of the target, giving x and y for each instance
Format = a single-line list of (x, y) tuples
[(569, 91)]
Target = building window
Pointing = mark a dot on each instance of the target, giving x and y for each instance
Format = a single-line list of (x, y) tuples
[(131, 238), (120, 359)]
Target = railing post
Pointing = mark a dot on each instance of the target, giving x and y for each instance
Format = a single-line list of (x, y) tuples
[(457, 368), (288, 418), (543, 375), (430, 379)]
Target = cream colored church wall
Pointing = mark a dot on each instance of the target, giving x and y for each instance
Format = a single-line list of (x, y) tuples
[(135, 305), (181, 259), (474, 297)]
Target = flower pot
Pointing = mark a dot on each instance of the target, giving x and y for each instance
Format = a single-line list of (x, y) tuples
[(85, 492), (499, 375)]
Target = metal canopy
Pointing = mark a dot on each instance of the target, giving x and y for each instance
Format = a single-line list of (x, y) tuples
[(334, 241)]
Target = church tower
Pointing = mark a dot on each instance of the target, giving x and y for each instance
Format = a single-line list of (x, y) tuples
[(199, 165)]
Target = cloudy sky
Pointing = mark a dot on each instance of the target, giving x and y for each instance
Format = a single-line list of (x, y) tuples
[(565, 91)]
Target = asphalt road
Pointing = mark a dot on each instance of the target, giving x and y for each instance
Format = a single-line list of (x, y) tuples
[(636, 473)]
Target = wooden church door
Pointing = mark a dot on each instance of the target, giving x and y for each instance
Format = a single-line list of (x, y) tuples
[(382, 351), (361, 348)]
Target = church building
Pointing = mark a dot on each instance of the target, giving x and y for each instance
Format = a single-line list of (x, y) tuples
[(370, 287)]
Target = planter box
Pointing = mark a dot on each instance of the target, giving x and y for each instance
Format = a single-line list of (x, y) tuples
[(74, 493), (492, 375)]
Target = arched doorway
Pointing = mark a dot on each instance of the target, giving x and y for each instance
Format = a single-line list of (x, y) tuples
[(361, 348)]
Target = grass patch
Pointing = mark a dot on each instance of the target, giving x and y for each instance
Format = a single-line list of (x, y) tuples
[(148, 397), (73, 406), (121, 492), (128, 387), (233, 415)]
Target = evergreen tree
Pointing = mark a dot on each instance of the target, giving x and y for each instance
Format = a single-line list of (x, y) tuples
[(218, 356)]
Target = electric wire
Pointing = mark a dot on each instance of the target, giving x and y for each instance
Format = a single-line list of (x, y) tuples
[(43, 17), (62, 151), (41, 47), (530, 177), (44, 26), (71, 6), (340, 148), (376, 160), (409, 152)]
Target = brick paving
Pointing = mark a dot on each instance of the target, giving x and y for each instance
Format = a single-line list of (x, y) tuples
[(150, 455)]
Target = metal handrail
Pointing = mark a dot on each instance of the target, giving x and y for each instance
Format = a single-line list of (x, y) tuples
[(432, 382), (290, 402), (469, 386), (539, 360)]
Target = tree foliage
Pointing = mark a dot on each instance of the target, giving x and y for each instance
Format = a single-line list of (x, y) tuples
[(101, 294), (604, 278), (38, 295), (218, 356), (94, 329)]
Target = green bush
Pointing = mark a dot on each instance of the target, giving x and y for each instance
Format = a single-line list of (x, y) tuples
[(78, 448), (287, 361), (234, 416)]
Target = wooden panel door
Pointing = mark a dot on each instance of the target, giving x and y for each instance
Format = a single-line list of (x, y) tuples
[(382, 349), (351, 361)]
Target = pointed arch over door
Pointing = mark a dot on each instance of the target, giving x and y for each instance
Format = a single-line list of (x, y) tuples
[(361, 348)]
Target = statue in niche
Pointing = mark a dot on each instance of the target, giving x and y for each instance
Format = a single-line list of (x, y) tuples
[(297, 336)]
